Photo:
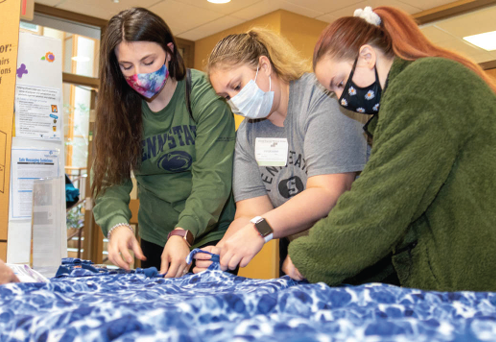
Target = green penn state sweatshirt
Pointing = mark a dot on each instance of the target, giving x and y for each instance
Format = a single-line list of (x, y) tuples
[(425, 204), (186, 170)]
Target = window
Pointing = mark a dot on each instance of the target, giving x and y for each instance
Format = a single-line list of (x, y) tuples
[(80, 46)]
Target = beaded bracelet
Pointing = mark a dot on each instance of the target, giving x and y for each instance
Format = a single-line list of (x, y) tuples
[(118, 225)]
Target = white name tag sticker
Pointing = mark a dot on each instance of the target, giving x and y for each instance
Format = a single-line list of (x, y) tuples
[(271, 151)]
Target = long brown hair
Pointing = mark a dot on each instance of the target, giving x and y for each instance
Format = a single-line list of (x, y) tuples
[(397, 35), (118, 113), (246, 48)]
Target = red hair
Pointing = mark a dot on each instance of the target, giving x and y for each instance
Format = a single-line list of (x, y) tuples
[(397, 35)]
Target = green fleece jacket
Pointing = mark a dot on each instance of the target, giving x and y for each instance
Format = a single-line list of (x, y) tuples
[(425, 204), (186, 170)]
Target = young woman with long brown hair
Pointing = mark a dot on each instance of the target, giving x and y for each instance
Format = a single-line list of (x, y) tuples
[(296, 152), (173, 132), (423, 208)]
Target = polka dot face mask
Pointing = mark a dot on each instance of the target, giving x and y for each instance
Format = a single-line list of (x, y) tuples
[(361, 100)]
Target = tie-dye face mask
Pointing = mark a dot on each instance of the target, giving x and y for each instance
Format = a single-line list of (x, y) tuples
[(149, 85)]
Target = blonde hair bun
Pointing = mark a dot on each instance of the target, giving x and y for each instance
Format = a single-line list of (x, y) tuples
[(247, 48)]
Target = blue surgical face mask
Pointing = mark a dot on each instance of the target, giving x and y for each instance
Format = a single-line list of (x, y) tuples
[(252, 102), (361, 100)]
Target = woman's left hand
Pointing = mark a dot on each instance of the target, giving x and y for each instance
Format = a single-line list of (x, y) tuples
[(6, 274), (240, 247), (290, 269), (174, 258)]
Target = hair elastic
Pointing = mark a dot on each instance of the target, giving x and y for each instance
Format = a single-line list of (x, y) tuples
[(368, 15)]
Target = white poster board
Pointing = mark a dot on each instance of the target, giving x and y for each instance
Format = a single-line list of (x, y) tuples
[(38, 100), (38, 129)]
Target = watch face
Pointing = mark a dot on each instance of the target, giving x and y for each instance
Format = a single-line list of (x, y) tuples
[(188, 236), (264, 228)]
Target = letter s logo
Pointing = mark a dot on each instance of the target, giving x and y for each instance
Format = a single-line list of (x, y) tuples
[(290, 187)]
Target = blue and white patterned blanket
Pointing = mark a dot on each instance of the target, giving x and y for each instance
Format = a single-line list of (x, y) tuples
[(217, 306)]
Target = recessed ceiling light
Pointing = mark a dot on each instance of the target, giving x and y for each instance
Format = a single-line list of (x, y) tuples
[(115, 1), (80, 59), (486, 41), (219, 1)]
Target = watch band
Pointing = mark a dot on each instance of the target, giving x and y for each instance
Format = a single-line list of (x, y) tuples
[(263, 228), (269, 237), (185, 234)]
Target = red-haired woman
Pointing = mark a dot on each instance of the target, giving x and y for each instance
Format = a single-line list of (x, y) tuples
[(422, 214)]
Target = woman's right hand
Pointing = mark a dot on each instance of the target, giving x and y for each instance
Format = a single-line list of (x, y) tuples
[(290, 269), (122, 240), (202, 260)]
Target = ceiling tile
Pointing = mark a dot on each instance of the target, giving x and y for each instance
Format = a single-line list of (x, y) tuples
[(435, 34), (408, 8), (324, 6), (348, 11), (102, 8), (471, 23), (329, 18), (266, 6), (426, 4), (460, 46), (89, 7), (229, 8), (257, 10), (195, 19), (211, 28), (483, 57), (182, 17), (306, 11)]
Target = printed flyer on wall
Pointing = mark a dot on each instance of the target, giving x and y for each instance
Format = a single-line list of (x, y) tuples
[(29, 165), (38, 112)]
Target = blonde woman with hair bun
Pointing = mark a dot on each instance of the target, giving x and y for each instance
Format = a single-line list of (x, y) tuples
[(296, 151)]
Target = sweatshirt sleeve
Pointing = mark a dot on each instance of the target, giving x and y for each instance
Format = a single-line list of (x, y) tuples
[(112, 207), (212, 168), (412, 156)]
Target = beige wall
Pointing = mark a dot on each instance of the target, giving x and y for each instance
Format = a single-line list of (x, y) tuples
[(303, 33), (203, 46)]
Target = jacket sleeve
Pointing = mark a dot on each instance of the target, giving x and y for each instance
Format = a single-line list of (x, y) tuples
[(411, 159), (112, 207), (212, 168)]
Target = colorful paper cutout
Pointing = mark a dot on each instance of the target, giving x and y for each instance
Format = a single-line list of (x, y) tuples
[(22, 70), (49, 57)]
